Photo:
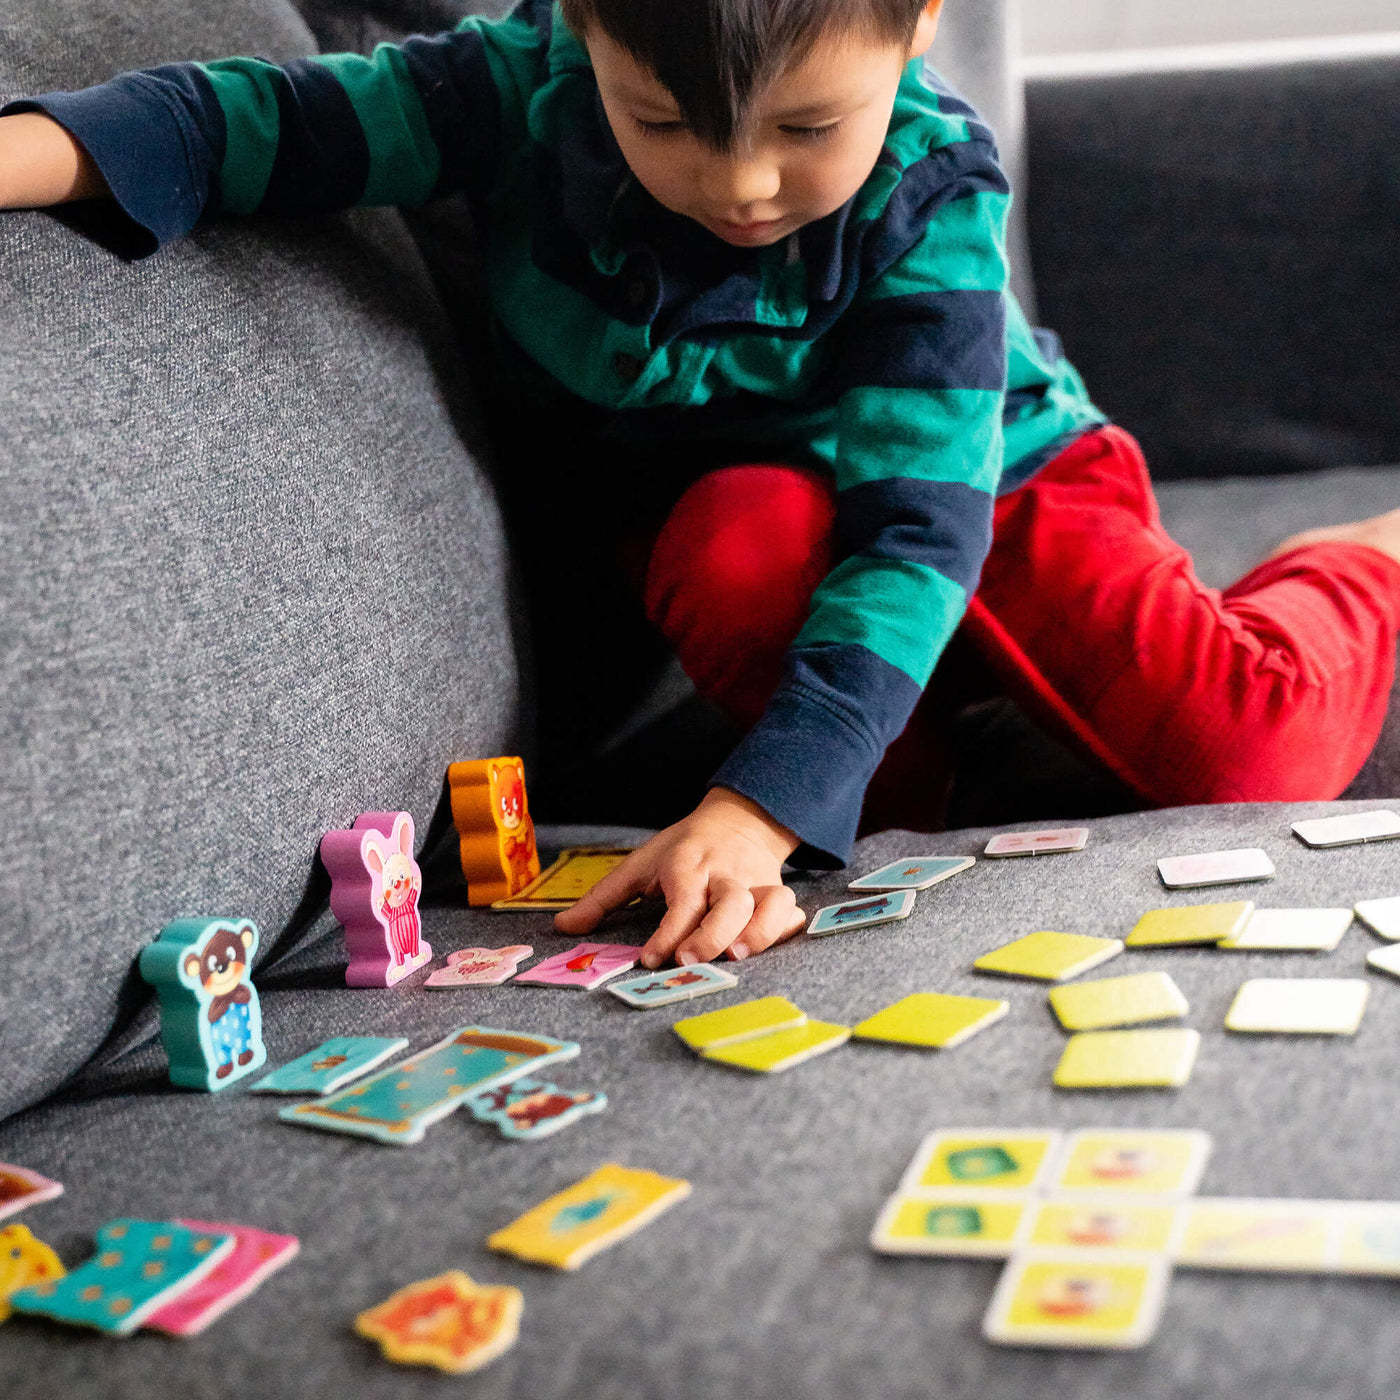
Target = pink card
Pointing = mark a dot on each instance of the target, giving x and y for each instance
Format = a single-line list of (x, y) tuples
[(589, 965), (1215, 868), (256, 1254), (480, 967), (1038, 843), (375, 885)]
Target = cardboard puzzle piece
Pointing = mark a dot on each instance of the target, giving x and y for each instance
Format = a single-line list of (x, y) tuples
[(1094, 1223), (1215, 868), (584, 966), (1118, 1001), (1381, 916), (982, 1158), (1132, 1161), (1298, 1006), (913, 873), (24, 1262), (1049, 957), (21, 1188), (732, 1024), (331, 1065), (571, 1227), (866, 912), (1038, 843), (667, 987), (495, 832), (375, 888), (1349, 829), (480, 967), (1190, 924), (1291, 931), (956, 1224), (139, 1266), (780, 1050), (256, 1255), (931, 1020), (398, 1105), (1155, 1059), (210, 1015), (529, 1109), (449, 1322), (566, 882)]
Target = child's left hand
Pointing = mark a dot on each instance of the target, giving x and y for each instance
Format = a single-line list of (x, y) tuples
[(720, 871)]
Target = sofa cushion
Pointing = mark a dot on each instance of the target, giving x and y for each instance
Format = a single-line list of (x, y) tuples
[(255, 583), (762, 1285)]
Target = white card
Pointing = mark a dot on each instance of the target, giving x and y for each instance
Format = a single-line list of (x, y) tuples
[(1215, 868), (862, 913), (1381, 916), (913, 873), (1349, 830), (1038, 843), (1299, 1006), (1290, 930), (1385, 960)]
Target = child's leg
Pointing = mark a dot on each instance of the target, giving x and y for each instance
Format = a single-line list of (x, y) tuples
[(1273, 690)]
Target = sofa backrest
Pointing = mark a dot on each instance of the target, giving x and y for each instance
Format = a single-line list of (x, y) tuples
[(254, 582)]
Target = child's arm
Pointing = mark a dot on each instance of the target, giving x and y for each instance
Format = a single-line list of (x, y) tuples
[(41, 164)]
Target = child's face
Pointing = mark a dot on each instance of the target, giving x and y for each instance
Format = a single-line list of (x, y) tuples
[(813, 136)]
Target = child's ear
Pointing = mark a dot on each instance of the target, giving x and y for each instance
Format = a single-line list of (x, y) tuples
[(926, 29)]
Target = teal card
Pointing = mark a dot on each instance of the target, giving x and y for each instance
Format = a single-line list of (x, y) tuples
[(331, 1065)]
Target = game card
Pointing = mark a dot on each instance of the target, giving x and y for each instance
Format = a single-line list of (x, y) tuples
[(1257, 1235), (1078, 1300), (732, 1024), (331, 1065), (527, 1109), (1215, 868), (400, 1103), (954, 1224), (780, 1050), (1038, 843), (584, 966), (1118, 1001), (570, 1228), (1366, 1238), (1143, 1162), (1290, 931), (1152, 1059), (1350, 829), (1147, 1226), (256, 1254), (931, 1020), (913, 873), (480, 967), (566, 882), (862, 913), (1381, 916), (1192, 923), (21, 1188), (680, 984), (1385, 960), (1298, 1006), (1005, 1159)]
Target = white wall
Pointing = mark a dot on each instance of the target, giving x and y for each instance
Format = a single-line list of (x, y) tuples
[(1071, 26)]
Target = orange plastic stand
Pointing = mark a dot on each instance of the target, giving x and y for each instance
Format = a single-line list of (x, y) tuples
[(497, 836)]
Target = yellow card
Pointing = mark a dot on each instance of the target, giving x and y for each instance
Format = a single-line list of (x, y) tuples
[(1050, 957), (931, 1019), (780, 1050), (1004, 1159), (1192, 923), (1128, 1059), (1118, 1001), (1144, 1162), (732, 1024), (566, 881), (448, 1322), (1299, 1006), (1367, 1238), (570, 1228), (1077, 1300), (1287, 1236), (1105, 1222), (952, 1223)]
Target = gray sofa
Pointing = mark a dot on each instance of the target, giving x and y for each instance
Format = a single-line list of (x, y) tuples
[(257, 583)]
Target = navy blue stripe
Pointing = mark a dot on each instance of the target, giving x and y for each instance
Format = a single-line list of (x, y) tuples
[(928, 340), (462, 106), (810, 757), (946, 525), (322, 159), (1019, 473)]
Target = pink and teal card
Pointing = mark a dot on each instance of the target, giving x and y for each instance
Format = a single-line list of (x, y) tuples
[(255, 1255), (587, 966)]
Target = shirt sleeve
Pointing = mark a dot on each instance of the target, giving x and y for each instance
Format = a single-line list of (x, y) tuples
[(410, 123), (919, 380)]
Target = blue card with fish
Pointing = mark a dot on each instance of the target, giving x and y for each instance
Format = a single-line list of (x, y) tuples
[(913, 873), (866, 912)]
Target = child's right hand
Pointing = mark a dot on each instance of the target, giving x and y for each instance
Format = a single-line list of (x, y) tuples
[(41, 164)]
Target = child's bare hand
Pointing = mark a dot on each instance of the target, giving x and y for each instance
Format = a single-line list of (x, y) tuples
[(720, 872)]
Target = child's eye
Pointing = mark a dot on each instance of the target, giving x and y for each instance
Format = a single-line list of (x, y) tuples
[(811, 133), (658, 128)]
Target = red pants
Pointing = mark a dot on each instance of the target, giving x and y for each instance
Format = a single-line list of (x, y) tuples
[(1089, 615)]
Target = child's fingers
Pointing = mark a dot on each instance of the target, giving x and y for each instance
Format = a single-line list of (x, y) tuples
[(686, 903), (775, 917), (616, 888), (731, 909)]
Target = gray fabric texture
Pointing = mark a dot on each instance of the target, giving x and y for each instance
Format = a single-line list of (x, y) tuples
[(254, 582), (762, 1284)]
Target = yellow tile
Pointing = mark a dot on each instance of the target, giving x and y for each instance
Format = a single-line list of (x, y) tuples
[(931, 1019), (1104, 1222), (958, 1224), (1225, 1233), (1192, 923), (1118, 1001), (1072, 1299), (987, 1159), (1128, 1059), (588, 1216), (732, 1024), (768, 1054), (1148, 1162), (1051, 957)]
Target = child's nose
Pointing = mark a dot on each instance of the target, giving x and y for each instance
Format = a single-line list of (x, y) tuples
[(739, 181)]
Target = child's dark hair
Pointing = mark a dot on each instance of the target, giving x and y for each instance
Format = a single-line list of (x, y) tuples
[(713, 54)]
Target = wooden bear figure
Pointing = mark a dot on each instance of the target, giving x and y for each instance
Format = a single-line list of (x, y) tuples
[(210, 1016), (494, 828)]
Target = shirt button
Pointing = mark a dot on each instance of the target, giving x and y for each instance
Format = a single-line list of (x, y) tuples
[(628, 368)]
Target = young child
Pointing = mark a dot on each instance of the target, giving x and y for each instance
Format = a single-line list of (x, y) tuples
[(752, 255)]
